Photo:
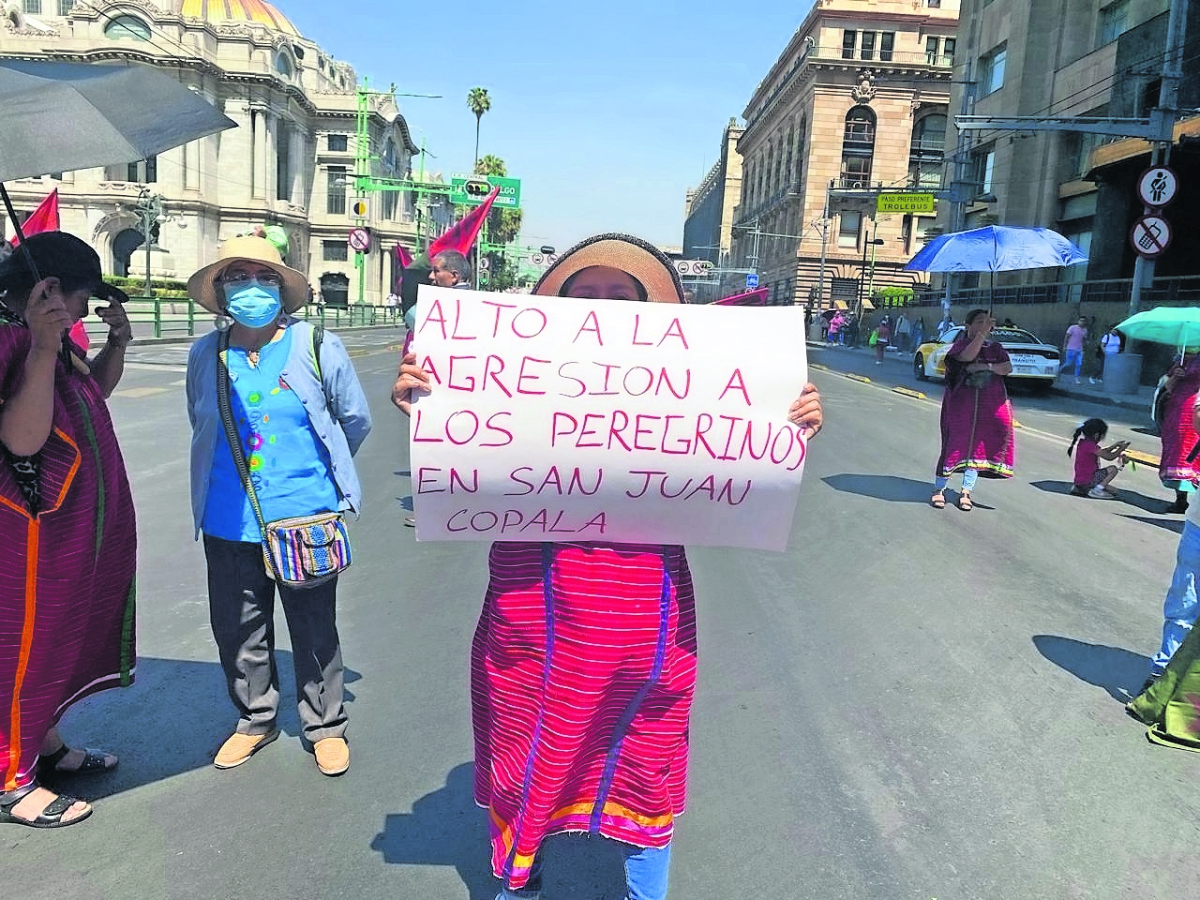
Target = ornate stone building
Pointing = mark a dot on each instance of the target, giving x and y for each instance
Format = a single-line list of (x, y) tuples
[(290, 162), (708, 217), (857, 101)]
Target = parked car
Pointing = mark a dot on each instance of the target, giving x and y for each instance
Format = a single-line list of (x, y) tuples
[(1033, 360)]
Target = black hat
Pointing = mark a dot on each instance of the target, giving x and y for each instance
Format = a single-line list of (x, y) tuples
[(64, 257)]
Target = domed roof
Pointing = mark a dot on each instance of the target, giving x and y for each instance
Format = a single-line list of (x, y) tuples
[(225, 11)]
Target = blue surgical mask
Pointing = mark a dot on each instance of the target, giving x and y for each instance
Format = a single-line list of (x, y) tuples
[(254, 305)]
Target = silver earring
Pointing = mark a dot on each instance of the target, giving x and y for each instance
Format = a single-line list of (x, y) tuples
[(223, 322)]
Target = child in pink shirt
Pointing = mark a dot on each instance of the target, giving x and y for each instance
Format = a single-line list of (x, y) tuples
[(1090, 479)]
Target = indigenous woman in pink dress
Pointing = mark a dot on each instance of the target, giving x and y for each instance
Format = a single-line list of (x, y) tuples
[(66, 515), (1178, 434), (583, 664), (977, 417)]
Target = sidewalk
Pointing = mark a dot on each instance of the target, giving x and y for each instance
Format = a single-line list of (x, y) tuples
[(1064, 385)]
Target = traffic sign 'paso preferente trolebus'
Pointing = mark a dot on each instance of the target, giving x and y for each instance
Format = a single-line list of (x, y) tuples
[(508, 198), (917, 204)]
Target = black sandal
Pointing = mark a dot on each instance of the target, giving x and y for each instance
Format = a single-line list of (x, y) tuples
[(93, 763), (50, 817)]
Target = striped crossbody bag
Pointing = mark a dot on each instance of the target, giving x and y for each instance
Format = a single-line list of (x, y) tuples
[(303, 551)]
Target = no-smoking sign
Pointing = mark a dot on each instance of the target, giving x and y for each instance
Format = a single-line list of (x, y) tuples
[(1150, 236)]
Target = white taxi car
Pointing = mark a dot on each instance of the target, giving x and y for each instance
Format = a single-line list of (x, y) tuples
[(1033, 361)]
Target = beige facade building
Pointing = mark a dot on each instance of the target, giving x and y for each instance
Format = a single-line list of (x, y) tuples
[(857, 101), (290, 162), (708, 218), (1062, 59)]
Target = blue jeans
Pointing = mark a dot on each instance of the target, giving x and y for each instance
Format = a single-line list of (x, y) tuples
[(1075, 358), (1180, 608), (970, 476), (646, 870)]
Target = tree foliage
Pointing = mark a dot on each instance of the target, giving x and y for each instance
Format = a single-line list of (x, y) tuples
[(478, 102)]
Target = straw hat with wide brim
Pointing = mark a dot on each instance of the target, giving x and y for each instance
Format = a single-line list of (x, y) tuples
[(202, 287), (632, 255)]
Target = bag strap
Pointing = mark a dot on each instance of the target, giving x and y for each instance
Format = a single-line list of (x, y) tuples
[(231, 434)]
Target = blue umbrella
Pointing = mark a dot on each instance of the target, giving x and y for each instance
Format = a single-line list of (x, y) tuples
[(996, 248)]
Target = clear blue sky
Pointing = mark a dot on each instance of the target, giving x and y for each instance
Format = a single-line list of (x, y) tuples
[(607, 112)]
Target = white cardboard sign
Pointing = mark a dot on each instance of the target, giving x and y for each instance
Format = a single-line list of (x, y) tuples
[(561, 419)]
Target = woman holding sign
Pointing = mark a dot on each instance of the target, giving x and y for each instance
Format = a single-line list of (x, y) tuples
[(583, 664)]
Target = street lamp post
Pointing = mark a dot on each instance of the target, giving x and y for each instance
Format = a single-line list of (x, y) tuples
[(151, 215), (862, 274)]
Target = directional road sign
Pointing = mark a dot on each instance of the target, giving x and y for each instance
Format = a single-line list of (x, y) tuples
[(508, 198), (1157, 186), (359, 240), (752, 280), (1150, 236), (917, 204)]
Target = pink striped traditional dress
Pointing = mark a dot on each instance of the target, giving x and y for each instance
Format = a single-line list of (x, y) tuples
[(976, 419), (582, 674), (66, 574)]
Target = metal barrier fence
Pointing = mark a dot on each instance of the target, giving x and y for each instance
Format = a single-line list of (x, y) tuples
[(164, 317)]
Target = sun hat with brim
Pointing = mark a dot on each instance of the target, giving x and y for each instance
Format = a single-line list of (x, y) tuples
[(57, 254), (632, 255), (202, 286)]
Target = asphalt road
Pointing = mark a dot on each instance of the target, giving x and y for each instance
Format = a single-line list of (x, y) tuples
[(908, 704)]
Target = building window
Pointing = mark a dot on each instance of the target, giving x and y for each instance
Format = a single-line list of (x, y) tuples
[(64, 7), (887, 42), (949, 45), (868, 45), (991, 71), (934, 4), (983, 165), (334, 251), (143, 172), (945, 57), (858, 148), (926, 151), (127, 28), (1114, 21), (338, 143), (335, 196), (283, 162), (33, 7), (849, 225), (849, 41), (283, 64)]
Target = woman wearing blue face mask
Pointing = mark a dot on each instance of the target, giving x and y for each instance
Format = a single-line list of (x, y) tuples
[(300, 415)]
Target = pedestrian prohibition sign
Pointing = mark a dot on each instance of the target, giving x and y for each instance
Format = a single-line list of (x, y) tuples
[(1150, 236)]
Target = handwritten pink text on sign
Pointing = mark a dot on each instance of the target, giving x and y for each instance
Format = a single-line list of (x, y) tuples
[(554, 418)]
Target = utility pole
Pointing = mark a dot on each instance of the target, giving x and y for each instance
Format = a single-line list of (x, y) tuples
[(824, 248)]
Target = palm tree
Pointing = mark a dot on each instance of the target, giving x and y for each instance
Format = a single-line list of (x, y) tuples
[(478, 102)]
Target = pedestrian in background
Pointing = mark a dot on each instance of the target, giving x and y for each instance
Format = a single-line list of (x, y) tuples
[(301, 416), (882, 336), (67, 559), (903, 333), (977, 417), (1177, 396), (1073, 344), (583, 665), (918, 333), (1110, 345)]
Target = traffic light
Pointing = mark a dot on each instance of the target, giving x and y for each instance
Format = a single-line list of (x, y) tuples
[(477, 187), (483, 276)]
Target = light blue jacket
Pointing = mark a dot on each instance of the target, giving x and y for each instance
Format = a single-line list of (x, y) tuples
[(341, 423)]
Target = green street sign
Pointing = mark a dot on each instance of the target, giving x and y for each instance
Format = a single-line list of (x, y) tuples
[(508, 198), (905, 202)]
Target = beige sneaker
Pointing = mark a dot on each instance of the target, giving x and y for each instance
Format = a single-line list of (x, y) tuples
[(240, 747), (333, 755)]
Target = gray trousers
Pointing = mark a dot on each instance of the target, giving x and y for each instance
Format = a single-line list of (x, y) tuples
[(241, 605)]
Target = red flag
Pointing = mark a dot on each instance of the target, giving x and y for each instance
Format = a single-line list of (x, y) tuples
[(462, 236), (403, 257), (44, 218)]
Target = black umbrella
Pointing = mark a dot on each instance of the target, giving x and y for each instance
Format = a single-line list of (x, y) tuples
[(59, 117)]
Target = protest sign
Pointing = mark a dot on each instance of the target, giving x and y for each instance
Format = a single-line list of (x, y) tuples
[(561, 419)]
